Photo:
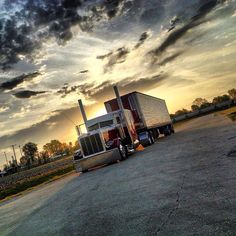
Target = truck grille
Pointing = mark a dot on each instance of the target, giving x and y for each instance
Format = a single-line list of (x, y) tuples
[(91, 144)]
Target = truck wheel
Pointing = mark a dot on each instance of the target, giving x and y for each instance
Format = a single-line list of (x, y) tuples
[(123, 151), (150, 138), (172, 130), (156, 133), (167, 132)]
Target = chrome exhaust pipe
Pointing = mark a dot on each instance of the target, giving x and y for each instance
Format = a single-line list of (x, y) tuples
[(81, 106), (120, 105)]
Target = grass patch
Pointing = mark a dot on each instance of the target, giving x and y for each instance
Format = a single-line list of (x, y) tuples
[(228, 111), (19, 187), (232, 116)]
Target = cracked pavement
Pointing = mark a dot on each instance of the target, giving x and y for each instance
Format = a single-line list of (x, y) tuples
[(182, 185)]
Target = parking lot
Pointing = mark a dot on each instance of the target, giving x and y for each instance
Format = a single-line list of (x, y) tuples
[(182, 185)]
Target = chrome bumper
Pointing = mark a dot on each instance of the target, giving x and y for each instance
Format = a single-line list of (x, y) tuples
[(105, 158)]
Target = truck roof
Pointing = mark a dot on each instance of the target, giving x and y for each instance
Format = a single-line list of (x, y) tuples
[(134, 92)]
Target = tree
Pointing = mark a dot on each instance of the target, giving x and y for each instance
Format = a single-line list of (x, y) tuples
[(54, 147), (30, 149), (70, 148), (195, 107), (205, 105), (76, 146), (220, 99), (43, 157), (232, 93), (181, 112), (66, 148), (23, 161), (199, 102), (5, 167)]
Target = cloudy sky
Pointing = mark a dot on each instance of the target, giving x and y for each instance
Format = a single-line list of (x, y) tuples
[(54, 52)]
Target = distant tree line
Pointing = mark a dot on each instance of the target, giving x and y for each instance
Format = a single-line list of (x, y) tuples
[(31, 156), (201, 103)]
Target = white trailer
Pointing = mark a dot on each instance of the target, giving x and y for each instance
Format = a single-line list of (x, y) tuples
[(150, 114)]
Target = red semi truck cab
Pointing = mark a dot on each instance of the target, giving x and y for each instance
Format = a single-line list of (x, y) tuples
[(107, 139)]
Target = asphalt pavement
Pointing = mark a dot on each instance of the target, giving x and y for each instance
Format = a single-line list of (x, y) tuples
[(184, 184)]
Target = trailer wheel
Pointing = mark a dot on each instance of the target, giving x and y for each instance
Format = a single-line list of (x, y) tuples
[(167, 131), (172, 129), (149, 140), (123, 151), (152, 140)]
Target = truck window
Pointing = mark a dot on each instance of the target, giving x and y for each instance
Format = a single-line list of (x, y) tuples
[(93, 127), (106, 123)]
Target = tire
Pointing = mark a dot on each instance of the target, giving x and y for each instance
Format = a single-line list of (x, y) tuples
[(149, 140), (123, 151), (157, 134), (167, 131), (152, 137), (84, 171)]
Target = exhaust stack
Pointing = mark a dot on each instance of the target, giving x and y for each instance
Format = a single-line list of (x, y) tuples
[(81, 106), (120, 105)]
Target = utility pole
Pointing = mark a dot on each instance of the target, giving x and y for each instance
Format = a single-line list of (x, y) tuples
[(13, 148), (20, 151), (6, 158)]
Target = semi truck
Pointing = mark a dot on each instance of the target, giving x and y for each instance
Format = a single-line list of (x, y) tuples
[(132, 119), (150, 114)]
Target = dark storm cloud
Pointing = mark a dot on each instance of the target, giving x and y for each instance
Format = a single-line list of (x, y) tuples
[(119, 55), (39, 21), (14, 82), (115, 57), (28, 93), (23, 31), (66, 90), (166, 59), (105, 90), (145, 83), (84, 71), (38, 132), (35, 21), (112, 7), (142, 39), (179, 33), (101, 57), (173, 22)]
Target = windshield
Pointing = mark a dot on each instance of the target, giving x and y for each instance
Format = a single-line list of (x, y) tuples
[(100, 125)]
